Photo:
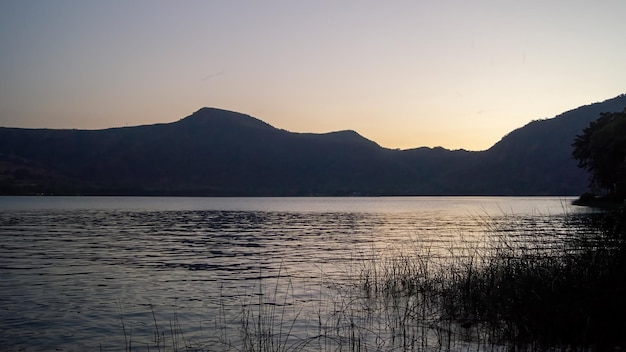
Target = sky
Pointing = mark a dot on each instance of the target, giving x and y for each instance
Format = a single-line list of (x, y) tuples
[(405, 74)]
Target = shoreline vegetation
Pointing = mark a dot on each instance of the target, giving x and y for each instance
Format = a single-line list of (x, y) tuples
[(600, 202), (514, 294)]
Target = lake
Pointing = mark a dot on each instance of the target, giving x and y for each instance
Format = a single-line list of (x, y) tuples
[(103, 273)]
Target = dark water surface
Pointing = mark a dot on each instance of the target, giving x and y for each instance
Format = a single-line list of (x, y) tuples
[(94, 273)]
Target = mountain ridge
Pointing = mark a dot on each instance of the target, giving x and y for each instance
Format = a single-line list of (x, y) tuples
[(215, 152)]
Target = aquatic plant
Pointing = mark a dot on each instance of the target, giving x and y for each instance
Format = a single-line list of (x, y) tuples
[(514, 291), (518, 292)]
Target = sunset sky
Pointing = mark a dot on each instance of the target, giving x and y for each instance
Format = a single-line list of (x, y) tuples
[(457, 74)]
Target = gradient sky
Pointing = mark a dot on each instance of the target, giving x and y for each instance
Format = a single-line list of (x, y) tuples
[(457, 74)]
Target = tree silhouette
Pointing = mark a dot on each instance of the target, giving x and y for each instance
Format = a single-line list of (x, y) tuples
[(601, 150)]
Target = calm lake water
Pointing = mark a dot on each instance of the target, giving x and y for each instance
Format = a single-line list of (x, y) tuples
[(95, 273)]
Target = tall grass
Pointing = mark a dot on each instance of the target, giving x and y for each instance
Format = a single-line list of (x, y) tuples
[(520, 293), (265, 325), (506, 292)]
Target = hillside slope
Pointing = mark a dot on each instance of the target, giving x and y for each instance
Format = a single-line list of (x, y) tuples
[(536, 158)]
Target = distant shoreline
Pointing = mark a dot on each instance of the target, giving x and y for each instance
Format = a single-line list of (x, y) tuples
[(594, 201)]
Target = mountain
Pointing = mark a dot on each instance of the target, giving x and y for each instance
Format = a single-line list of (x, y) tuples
[(536, 158), (222, 153)]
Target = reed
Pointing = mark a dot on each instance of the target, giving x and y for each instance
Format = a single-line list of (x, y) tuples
[(517, 292), (511, 292), (265, 325)]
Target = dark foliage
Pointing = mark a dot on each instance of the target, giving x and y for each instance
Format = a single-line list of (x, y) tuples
[(573, 298), (520, 293), (601, 150)]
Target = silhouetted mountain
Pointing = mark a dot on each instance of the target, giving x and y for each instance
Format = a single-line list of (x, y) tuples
[(536, 158), (222, 153)]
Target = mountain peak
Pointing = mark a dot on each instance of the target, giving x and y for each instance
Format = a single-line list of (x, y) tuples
[(215, 117), (350, 136)]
